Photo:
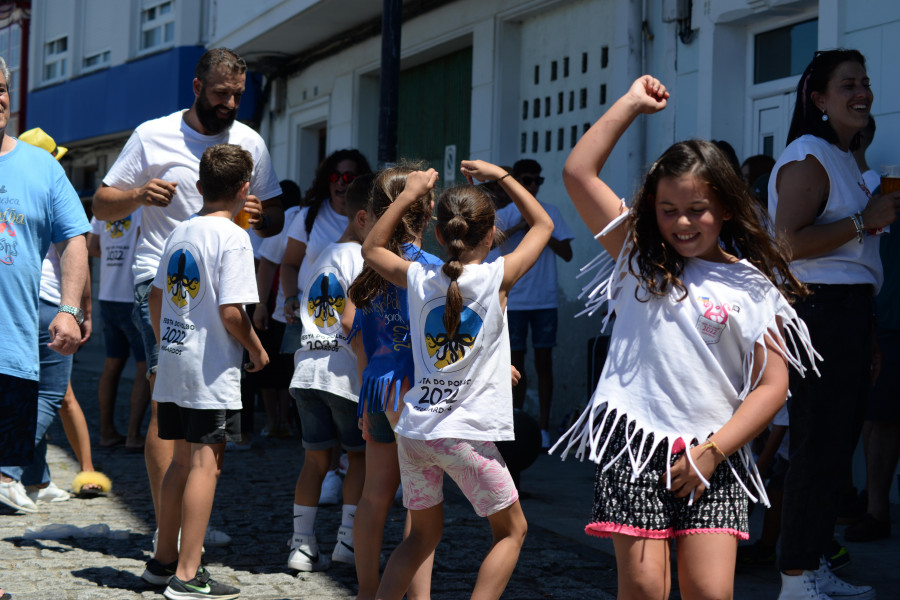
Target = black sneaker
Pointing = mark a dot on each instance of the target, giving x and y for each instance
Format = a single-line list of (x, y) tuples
[(201, 586), (836, 556), (158, 573)]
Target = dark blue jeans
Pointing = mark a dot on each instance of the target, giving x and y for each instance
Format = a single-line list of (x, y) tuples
[(826, 415), (55, 372)]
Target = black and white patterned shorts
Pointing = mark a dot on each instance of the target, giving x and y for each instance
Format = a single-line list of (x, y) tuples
[(645, 508)]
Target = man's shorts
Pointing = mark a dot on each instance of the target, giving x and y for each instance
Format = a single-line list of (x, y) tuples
[(18, 420), (883, 403), (645, 508), (198, 426), (543, 328), (140, 315), (476, 466), (327, 418), (119, 333)]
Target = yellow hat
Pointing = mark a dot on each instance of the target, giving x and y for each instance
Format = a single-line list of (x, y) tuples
[(38, 137)]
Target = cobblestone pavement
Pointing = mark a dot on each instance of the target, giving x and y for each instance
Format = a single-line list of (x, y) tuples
[(253, 505)]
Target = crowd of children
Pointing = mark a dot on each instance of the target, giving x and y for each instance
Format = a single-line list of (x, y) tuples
[(403, 359)]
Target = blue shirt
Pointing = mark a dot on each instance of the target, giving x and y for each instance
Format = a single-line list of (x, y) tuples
[(384, 325), (38, 205)]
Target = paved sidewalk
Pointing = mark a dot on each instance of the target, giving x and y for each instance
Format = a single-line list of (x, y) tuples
[(253, 505)]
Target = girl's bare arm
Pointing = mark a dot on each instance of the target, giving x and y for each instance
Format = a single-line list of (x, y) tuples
[(595, 201)]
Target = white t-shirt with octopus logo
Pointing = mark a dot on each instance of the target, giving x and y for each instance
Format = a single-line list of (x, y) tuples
[(462, 386), (207, 262)]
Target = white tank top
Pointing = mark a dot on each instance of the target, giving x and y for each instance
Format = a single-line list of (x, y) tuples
[(852, 262), (462, 386)]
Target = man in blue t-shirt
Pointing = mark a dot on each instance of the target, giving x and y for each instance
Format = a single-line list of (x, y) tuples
[(38, 206)]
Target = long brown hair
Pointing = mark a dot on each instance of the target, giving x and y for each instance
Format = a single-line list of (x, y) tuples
[(745, 235), (465, 214), (389, 183)]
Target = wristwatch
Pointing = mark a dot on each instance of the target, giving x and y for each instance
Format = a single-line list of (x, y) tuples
[(72, 310)]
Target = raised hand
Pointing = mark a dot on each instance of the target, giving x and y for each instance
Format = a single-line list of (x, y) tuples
[(480, 170), (420, 183), (649, 93)]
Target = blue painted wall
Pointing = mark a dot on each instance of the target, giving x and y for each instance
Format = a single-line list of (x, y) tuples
[(122, 97)]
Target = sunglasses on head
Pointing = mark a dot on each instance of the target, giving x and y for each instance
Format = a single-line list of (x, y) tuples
[(529, 180), (346, 177)]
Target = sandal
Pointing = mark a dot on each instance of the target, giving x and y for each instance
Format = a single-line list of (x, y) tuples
[(89, 484)]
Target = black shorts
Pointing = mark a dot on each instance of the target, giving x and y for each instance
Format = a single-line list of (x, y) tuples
[(198, 426), (18, 420), (645, 508)]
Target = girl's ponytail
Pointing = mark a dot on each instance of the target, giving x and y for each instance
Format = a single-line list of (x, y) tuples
[(388, 185), (465, 215)]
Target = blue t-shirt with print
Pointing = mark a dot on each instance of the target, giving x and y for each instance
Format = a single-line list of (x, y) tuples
[(38, 206), (384, 326)]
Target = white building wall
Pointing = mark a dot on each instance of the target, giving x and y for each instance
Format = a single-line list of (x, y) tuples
[(876, 33)]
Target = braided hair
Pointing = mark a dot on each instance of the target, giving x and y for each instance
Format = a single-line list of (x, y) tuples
[(465, 215)]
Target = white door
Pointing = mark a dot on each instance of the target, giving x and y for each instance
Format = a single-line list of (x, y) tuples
[(771, 121)]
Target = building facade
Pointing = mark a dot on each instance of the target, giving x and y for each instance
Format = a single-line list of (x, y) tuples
[(493, 79)]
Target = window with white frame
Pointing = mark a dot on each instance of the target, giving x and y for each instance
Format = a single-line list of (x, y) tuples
[(157, 24), (56, 55), (11, 50), (96, 60)]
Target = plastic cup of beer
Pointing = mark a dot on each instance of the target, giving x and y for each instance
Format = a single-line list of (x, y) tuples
[(242, 219), (890, 178)]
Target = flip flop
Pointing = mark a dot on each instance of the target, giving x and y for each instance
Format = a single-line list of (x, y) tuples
[(89, 484)]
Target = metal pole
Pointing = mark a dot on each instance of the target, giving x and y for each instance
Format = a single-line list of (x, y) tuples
[(391, 21)]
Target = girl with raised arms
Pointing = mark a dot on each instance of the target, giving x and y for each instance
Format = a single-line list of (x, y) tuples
[(386, 371), (461, 400), (698, 358)]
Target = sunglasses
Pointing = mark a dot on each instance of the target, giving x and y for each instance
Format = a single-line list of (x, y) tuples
[(529, 180), (346, 177)]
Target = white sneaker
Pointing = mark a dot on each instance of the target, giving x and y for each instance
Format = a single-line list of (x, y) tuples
[(332, 486), (215, 538), (12, 494), (305, 555), (838, 589), (801, 587), (51, 493), (343, 550)]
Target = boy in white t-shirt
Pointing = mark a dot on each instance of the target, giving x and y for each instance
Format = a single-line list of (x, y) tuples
[(205, 277), (326, 385)]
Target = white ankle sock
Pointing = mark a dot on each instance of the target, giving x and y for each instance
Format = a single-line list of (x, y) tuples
[(347, 514), (305, 519)]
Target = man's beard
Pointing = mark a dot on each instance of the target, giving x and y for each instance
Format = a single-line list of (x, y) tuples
[(209, 118)]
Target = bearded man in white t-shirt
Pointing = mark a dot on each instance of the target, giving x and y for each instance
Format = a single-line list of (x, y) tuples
[(157, 170)]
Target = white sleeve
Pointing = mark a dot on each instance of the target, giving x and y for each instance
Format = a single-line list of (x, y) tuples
[(297, 230), (235, 270), (130, 169)]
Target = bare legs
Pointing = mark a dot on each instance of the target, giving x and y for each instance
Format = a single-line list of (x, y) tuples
[(382, 479), (157, 456), (189, 488), (107, 390), (705, 566), (508, 527), (76, 428)]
